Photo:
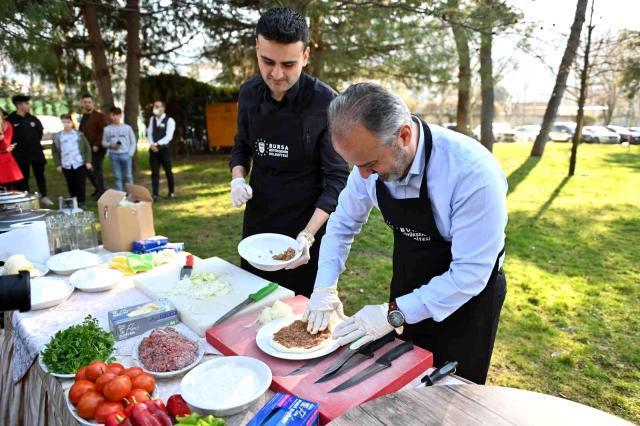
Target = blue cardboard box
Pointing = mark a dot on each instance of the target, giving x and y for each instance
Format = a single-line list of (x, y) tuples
[(148, 243), (287, 410)]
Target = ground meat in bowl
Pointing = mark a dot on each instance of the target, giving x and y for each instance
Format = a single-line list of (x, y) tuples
[(166, 350)]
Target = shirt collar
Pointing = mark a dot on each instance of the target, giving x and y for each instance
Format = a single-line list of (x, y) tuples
[(289, 97), (417, 166), (159, 119)]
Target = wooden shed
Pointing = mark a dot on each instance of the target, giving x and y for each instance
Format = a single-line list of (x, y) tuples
[(222, 123)]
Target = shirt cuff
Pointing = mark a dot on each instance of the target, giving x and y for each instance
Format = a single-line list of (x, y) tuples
[(412, 308)]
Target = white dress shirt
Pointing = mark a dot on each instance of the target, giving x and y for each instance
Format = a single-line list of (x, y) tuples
[(70, 155), (171, 127), (467, 190)]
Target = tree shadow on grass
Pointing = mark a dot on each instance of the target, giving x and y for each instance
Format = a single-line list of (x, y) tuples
[(626, 159), (551, 199), (518, 175)]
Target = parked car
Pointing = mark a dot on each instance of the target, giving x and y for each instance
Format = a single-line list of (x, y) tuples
[(600, 134), (527, 133), (635, 131), (502, 132), (562, 131), (50, 124), (625, 134)]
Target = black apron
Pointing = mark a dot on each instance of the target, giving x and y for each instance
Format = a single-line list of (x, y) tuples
[(421, 253), (286, 186)]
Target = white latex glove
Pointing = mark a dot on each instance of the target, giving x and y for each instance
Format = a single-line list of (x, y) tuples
[(323, 302), (368, 324), (241, 192), (303, 244)]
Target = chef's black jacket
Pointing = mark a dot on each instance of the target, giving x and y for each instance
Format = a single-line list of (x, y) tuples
[(27, 135)]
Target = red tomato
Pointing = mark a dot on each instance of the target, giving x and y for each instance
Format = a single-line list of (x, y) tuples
[(138, 395), (133, 372), (115, 368), (103, 380), (88, 404), (81, 374), (106, 408), (117, 389), (79, 388), (144, 381), (95, 370)]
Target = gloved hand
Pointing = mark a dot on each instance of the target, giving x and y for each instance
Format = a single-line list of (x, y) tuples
[(241, 192), (323, 302), (304, 244), (368, 324)]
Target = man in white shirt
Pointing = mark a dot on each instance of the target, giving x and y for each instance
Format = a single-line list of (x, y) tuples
[(160, 134), (444, 197)]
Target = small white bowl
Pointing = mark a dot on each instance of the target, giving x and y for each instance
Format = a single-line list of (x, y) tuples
[(226, 385), (258, 251), (96, 279)]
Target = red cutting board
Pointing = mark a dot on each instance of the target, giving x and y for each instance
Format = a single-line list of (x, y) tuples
[(232, 337)]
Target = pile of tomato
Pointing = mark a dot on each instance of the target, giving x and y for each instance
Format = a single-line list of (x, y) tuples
[(101, 389)]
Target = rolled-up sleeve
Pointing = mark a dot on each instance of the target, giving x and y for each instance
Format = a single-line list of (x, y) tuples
[(354, 206), (241, 152), (335, 172), (478, 221)]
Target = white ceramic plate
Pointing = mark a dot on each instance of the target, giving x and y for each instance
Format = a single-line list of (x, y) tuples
[(46, 370), (167, 374), (49, 291), (70, 261), (264, 337), (95, 279), (258, 251), (42, 270), (226, 385), (80, 420)]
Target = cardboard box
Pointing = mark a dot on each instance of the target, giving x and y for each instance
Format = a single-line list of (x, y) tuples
[(286, 410), (135, 320), (123, 219)]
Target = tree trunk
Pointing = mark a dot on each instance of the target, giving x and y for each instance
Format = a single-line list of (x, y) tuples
[(561, 79), (132, 82), (486, 83), (464, 71), (584, 76), (316, 63), (98, 55)]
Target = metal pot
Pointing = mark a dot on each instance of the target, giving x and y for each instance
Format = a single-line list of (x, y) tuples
[(16, 200), (8, 218)]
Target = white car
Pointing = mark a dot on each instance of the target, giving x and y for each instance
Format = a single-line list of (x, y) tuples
[(600, 134), (502, 132), (562, 131), (50, 124), (527, 133), (635, 132)]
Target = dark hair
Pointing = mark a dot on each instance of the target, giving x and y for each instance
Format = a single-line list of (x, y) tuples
[(115, 110), (161, 101), (65, 117), (86, 95), (283, 25), (3, 113)]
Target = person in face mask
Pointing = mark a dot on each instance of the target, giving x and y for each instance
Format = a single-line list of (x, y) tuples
[(160, 134)]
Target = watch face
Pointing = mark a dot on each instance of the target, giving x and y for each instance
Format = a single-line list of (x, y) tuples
[(395, 318)]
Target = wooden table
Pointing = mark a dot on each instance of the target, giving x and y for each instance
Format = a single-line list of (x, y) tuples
[(473, 405)]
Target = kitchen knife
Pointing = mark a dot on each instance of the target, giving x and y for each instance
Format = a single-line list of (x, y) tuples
[(382, 363), (253, 297), (445, 370), (186, 270), (350, 357), (309, 365)]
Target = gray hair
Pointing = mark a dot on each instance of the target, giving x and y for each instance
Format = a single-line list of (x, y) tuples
[(379, 111)]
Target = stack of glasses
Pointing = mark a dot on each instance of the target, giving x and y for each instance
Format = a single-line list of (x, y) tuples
[(71, 231)]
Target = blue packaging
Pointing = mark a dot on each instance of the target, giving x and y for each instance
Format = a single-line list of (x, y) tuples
[(171, 246), (287, 410), (148, 243)]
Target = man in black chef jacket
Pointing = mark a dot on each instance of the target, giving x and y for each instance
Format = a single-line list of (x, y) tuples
[(27, 135), (282, 132)]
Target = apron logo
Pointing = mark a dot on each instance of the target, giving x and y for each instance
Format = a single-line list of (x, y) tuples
[(263, 148), (409, 233), (33, 124)]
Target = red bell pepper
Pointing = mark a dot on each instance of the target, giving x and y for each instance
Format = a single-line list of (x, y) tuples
[(177, 406), (158, 403), (148, 414), (117, 419)]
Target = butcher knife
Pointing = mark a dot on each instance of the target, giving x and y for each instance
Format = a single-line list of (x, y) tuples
[(186, 270), (308, 365), (253, 297), (382, 363), (445, 370), (352, 357)]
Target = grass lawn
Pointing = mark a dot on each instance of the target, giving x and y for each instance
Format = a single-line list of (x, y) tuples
[(570, 325)]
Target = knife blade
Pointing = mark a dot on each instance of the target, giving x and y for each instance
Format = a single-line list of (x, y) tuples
[(186, 270), (445, 370), (350, 358), (253, 297), (307, 366), (382, 363)]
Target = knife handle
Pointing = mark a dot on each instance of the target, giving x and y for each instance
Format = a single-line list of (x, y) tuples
[(445, 370), (263, 292), (395, 353), (370, 348), (189, 263)]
